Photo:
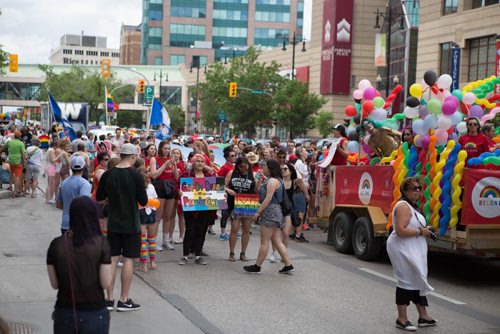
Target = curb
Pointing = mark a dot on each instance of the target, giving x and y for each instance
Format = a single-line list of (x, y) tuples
[(5, 194)]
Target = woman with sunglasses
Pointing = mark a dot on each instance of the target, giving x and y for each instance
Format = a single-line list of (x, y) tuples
[(240, 181), (407, 249), (474, 142), (225, 169)]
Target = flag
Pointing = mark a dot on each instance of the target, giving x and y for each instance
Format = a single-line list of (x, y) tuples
[(110, 105), (59, 117), (159, 116)]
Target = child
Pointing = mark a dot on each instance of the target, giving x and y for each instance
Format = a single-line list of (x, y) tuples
[(149, 228)]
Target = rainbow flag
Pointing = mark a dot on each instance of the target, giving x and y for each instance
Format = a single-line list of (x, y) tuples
[(110, 105), (44, 141), (246, 205)]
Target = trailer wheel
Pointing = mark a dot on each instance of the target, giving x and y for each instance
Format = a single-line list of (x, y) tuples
[(366, 247), (341, 232)]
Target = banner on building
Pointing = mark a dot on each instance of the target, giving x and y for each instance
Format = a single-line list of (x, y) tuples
[(202, 194), (246, 205), (364, 185), (481, 203), (336, 50), (380, 50), (455, 67), (497, 89)]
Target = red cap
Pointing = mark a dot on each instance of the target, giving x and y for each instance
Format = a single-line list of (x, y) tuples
[(292, 158)]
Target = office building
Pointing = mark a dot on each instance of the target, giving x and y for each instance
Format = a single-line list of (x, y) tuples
[(199, 32), (83, 50), (130, 44)]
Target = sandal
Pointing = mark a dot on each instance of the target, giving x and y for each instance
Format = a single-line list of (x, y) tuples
[(231, 257), (15, 195), (243, 257), (142, 268), (153, 266)]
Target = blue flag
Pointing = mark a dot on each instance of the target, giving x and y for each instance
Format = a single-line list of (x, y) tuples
[(156, 118), (159, 116), (59, 117)]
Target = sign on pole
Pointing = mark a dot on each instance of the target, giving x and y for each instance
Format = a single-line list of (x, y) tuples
[(149, 94)]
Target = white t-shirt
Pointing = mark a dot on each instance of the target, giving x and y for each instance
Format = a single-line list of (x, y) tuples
[(301, 168), (151, 192), (35, 155)]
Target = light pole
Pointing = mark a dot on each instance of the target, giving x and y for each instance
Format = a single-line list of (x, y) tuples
[(229, 55), (379, 81), (388, 17), (293, 42), (161, 76), (197, 66)]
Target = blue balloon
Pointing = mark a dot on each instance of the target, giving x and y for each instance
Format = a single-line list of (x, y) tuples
[(353, 146), (456, 117), (419, 127), (431, 121)]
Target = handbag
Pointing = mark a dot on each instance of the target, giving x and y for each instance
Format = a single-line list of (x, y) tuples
[(294, 216), (164, 188), (286, 203)]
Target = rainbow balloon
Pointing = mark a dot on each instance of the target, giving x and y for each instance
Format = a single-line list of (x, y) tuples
[(456, 189), (446, 186)]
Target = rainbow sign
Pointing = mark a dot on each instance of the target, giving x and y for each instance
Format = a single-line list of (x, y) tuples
[(202, 194), (246, 205), (44, 141)]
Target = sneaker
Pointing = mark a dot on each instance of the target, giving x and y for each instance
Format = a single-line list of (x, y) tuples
[(183, 261), (224, 237), (272, 258), (169, 245), (129, 305), (110, 305), (291, 236), (407, 326), (203, 253), (190, 256), (253, 269), (200, 260), (426, 323), (211, 232), (301, 238), (287, 270), (305, 226), (179, 241), (159, 248)]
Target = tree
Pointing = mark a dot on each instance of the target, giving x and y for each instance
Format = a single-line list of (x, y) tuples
[(4, 61), (323, 122), (129, 119), (296, 107), (177, 118), (79, 85)]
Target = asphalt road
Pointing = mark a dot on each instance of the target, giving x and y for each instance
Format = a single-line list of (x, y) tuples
[(329, 293)]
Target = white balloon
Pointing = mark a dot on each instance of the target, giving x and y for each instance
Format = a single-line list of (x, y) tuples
[(364, 84), (444, 81), (410, 112), (456, 117), (378, 114), (444, 122), (469, 98), (427, 97), (462, 127)]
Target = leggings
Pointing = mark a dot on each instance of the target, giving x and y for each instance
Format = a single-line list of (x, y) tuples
[(196, 227)]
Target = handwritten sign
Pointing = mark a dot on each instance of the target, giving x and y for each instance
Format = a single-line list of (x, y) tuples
[(202, 194), (246, 205)]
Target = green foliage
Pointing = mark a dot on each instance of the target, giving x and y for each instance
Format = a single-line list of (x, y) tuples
[(177, 118), (4, 61), (323, 122), (129, 119)]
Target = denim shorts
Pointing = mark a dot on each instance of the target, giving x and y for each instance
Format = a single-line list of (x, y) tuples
[(89, 321), (147, 219)]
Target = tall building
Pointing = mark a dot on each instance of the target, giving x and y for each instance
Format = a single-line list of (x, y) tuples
[(83, 50), (198, 32), (130, 44)]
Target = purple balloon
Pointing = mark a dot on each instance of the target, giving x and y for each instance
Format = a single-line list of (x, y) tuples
[(449, 108), (370, 93), (476, 111), (425, 140), (454, 99), (422, 111)]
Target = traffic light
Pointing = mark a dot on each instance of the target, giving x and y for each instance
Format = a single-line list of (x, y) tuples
[(106, 68), (13, 64), (233, 88), (140, 86)]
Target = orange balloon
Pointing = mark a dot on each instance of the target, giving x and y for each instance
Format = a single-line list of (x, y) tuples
[(154, 202)]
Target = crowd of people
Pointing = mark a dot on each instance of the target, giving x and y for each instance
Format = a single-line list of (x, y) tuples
[(130, 187)]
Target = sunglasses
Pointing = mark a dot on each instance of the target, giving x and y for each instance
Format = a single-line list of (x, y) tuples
[(106, 159), (284, 169), (281, 157), (415, 188), (473, 124), (232, 155)]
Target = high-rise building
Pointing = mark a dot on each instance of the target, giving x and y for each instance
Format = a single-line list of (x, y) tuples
[(130, 45), (197, 32), (83, 50)]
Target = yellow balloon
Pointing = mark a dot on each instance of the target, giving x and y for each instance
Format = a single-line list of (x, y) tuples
[(416, 90)]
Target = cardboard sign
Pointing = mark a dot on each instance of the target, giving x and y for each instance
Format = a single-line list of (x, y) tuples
[(246, 205), (202, 194)]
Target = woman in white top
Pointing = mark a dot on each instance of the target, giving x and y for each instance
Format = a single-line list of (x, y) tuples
[(407, 249), (53, 176), (34, 165)]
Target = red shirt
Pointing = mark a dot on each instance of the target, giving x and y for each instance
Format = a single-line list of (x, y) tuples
[(474, 145), (225, 169), (338, 159), (168, 173)]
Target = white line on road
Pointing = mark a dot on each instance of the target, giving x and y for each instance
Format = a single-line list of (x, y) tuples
[(392, 279)]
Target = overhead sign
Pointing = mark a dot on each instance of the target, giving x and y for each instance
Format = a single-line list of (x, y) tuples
[(149, 94)]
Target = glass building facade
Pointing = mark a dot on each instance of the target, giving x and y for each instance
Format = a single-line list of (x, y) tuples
[(175, 31)]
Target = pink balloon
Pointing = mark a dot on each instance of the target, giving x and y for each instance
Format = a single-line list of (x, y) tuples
[(441, 135), (357, 94), (370, 93), (425, 140), (449, 108), (454, 99), (476, 111), (368, 150), (490, 115)]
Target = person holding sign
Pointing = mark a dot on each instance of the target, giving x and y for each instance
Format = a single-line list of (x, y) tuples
[(241, 180), (196, 221), (271, 218)]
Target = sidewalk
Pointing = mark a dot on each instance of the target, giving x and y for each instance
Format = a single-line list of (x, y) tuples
[(26, 299)]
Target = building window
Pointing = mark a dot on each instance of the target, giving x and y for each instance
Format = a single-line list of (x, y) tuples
[(272, 16), (177, 59), (445, 58), (187, 29), (484, 3), (115, 54), (237, 15), (67, 51), (232, 1), (155, 15), (160, 2), (79, 52), (203, 60), (271, 33), (230, 32), (104, 54), (158, 61), (450, 7), (273, 2), (482, 57), (155, 32), (188, 12)]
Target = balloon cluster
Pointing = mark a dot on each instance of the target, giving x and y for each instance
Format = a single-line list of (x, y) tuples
[(5, 116), (487, 159)]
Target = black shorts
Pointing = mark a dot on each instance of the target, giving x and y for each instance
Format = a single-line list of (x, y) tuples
[(404, 297), (125, 244), (147, 219)]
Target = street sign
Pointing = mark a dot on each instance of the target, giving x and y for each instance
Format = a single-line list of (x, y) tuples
[(148, 94), (222, 116)]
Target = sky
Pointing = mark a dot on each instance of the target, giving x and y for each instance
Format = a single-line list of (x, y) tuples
[(32, 28)]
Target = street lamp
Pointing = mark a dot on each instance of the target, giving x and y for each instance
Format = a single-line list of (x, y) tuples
[(293, 42), (161, 76), (226, 55), (389, 17), (196, 64), (379, 81), (395, 80)]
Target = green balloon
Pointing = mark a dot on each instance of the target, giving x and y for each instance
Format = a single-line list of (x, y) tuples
[(492, 160), (457, 93), (434, 106), (378, 102)]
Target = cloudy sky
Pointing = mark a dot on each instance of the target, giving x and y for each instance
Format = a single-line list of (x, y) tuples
[(32, 28)]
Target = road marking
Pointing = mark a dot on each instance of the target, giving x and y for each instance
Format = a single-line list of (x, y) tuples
[(392, 279)]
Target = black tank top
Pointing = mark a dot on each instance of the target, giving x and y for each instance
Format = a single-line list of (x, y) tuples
[(241, 184)]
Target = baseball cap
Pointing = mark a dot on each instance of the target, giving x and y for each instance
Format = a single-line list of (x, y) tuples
[(77, 162), (128, 149), (338, 127)]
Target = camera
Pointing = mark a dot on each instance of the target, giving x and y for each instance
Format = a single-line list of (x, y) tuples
[(433, 235)]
